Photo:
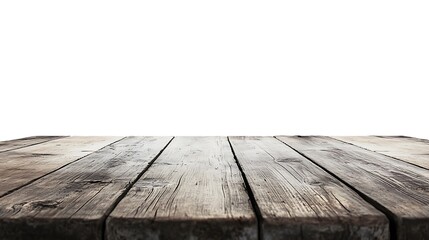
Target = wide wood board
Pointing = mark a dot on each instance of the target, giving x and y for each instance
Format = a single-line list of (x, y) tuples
[(21, 166), (194, 190), (298, 200), (399, 189), (73, 202), (412, 150)]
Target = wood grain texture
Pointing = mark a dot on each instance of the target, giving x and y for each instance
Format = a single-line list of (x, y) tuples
[(25, 142), (72, 203), (194, 190), (412, 150), (21, 166), (298, 200), (398, 188)]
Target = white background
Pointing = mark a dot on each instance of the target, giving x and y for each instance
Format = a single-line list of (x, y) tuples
[(214, 67)]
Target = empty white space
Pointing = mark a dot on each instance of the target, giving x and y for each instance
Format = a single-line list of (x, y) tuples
[(219, 67)]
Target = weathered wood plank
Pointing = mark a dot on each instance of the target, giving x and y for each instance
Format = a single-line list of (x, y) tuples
[(412, 150), (298, 200), (25, 142), (21, 166), (398, 188), (72, 203), (194, 190)]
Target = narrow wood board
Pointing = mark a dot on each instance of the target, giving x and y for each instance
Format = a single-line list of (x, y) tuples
[(194, 190), (25, 142), (72, 203), (298, 200), (412, 150), (400, 189), (21, 166)]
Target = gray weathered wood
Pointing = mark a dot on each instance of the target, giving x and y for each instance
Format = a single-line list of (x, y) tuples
[(25, 142), (21, 166), (72, 203), (194, 190), (412, 150), (398, 188), (298, 200)]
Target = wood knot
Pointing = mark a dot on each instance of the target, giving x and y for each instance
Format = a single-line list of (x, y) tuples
[(315, 183), (32, 205)]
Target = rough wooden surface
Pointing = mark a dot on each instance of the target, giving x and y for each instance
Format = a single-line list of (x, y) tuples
[(298, 200), (25, 142), (21, 166), (109, 188), (194, 190), (73, 202), (400, 189), (412, 150)]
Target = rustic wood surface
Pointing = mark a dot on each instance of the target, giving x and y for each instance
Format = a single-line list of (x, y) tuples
[(21, 166), (193, 191), (298, 200), (412, 150), (284, 187), (25, 142), (399, 189), (72, 202)]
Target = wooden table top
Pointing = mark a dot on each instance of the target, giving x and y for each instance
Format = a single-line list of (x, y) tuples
[(283, 187)]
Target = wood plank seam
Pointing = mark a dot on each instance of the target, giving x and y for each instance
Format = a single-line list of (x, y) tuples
[(72, 203), (29, 145), (385, 211), (378, 152), (44, 175), (255, 206), (109, 211), (194, 190)]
